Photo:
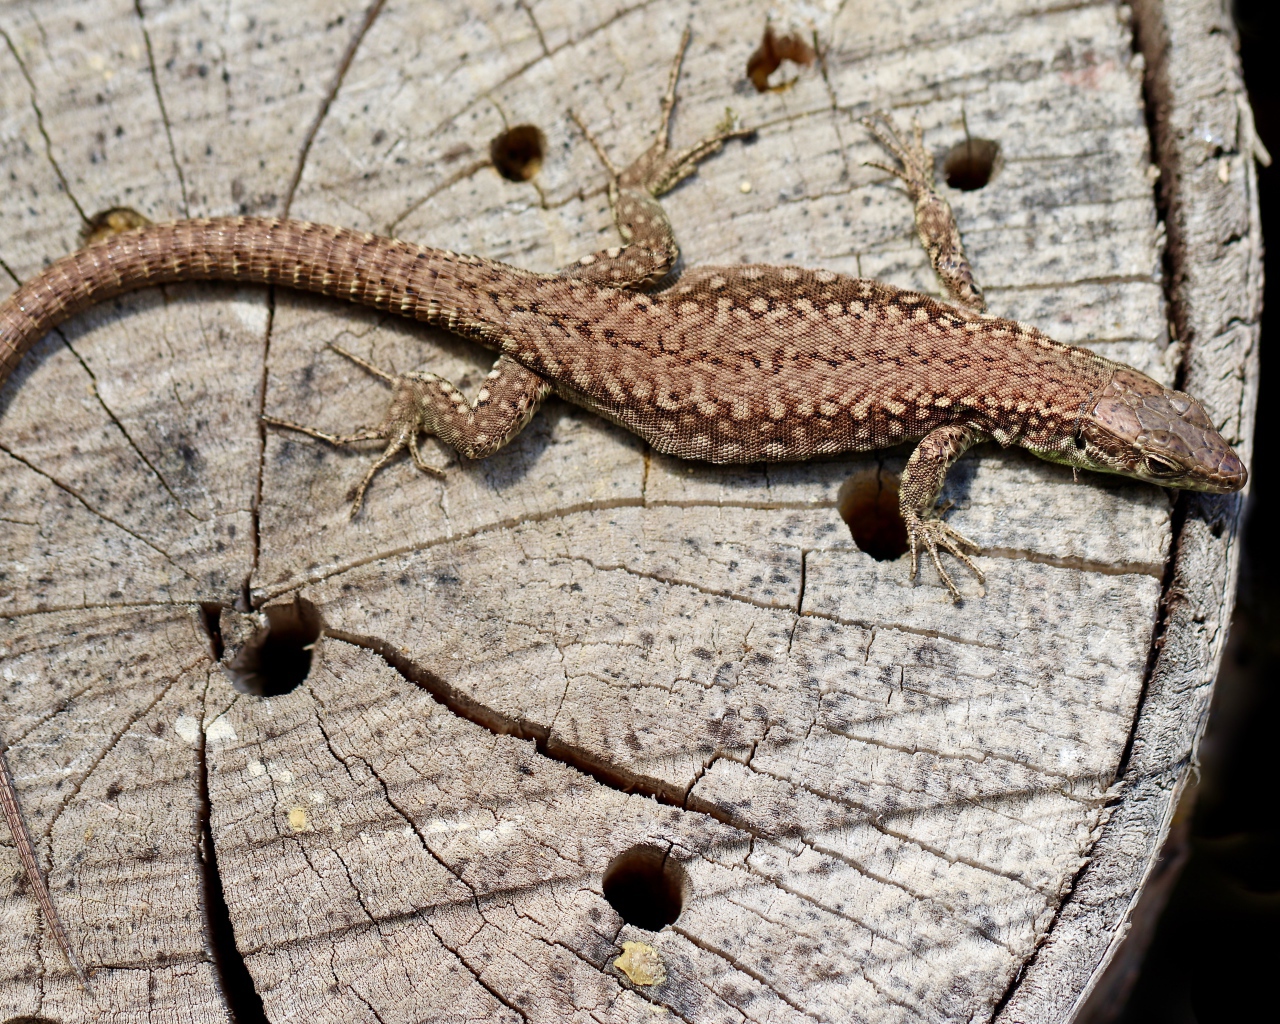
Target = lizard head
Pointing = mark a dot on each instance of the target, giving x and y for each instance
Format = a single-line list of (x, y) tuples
[(1138, 428)]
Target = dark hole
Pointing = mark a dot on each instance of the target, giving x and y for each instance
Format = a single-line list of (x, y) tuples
[(277, 658), (211, 620), (970, 164), (868, 502), (646, 887), (30, 1020), (111, 222), (517, 153), (770, 54)]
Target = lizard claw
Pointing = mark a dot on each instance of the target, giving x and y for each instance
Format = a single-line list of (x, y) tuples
[(916, 170), (932, 534)]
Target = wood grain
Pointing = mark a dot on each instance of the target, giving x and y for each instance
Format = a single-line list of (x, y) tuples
[(885, 805)]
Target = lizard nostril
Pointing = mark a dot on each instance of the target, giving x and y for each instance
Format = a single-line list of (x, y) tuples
[(517, 153), (868, 502), (970, 164), (646, 886), (277, 658)]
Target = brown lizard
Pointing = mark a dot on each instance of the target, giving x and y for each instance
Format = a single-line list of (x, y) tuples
[(746, 363)]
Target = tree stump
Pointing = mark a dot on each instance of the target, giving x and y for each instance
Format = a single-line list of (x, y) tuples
[(580, 732)]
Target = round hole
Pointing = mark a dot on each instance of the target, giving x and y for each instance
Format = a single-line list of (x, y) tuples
[(646, 886), (770, 54), (969, 165), (277, 658), (29, 1020), (868, 502), (517, 153)]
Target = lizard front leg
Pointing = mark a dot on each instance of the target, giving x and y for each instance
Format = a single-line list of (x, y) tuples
[(425, 403), (935, 223), (650, 249), (918, 493)]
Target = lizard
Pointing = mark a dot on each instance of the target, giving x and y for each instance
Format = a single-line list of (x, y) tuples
[(735, 364)]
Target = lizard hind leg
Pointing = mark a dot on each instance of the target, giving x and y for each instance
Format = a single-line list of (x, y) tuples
[(399, 428), (426, 403)]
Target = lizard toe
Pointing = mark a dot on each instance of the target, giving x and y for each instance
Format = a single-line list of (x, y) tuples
[(932, 534)]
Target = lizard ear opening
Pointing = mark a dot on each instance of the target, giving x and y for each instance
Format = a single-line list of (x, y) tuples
[(868, 503)]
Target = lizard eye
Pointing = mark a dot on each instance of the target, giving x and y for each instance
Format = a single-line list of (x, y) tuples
[(1157, 466)]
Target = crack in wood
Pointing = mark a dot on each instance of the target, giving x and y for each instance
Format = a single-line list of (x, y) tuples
[(243, 1001)]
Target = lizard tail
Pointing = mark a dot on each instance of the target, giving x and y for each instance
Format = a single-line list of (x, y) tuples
[(413, 280)]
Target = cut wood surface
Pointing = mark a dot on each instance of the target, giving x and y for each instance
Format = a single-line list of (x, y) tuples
[(872, 804)]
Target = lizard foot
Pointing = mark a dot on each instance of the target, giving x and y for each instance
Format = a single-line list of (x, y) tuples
[(658, 171), (932, 534), (399, 428), (935, 222), (915, 168)]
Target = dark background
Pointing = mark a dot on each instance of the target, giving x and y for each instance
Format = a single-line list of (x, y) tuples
[(1216, 952)]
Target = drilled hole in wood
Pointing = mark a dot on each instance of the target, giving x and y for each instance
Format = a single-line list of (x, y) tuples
[(970, 164), (770, 54), (517, 153), (277, 658), (868, 502), (29, 1020), (646, 887)]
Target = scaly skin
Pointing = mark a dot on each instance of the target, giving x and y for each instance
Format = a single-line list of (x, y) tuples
[(732, 364)]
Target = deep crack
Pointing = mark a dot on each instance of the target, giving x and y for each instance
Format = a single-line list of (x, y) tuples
[(242, 999)]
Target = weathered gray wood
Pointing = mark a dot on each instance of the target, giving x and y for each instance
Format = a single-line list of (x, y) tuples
[(1207, 150), (880, 800)]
